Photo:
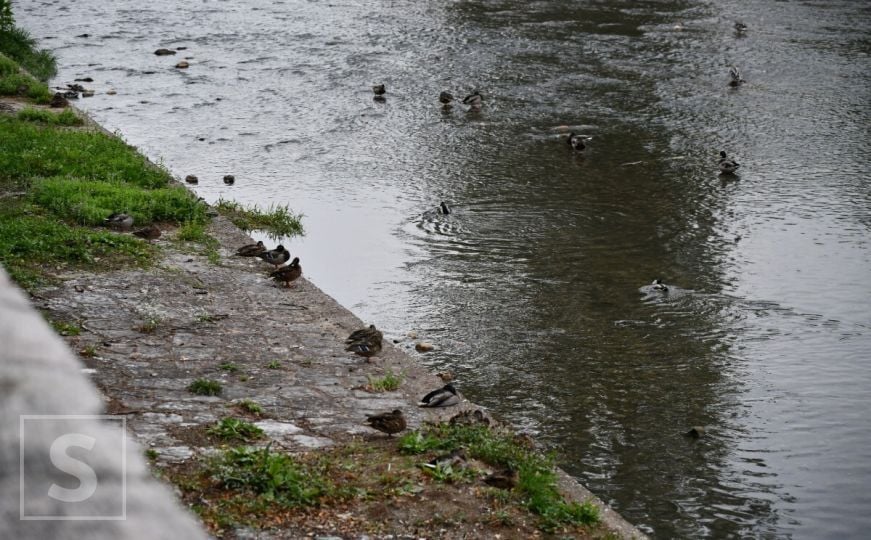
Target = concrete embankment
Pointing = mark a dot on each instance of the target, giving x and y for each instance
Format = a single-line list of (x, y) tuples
[(145, 335)]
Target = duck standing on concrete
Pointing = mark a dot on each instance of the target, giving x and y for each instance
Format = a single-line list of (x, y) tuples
[(288, 274), (389, 423), (276, 257), (251, 250), (728, 166), (368, 346), (362, 334)]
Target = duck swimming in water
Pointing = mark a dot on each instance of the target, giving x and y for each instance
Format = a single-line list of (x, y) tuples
[(577, 142), (446, 98), (736, 77), (658, 285), (379, 89), (728, 166), (474, 101), (444, 209), (740, 26)]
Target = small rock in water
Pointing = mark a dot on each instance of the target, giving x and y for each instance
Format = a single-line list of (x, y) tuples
[(229, 179), (446, 376), (182, 65), (84, 35), (181, 48), (111, 92), (424, 346), (695, 432), (164, 52), (191, 179), (85, 79), (88, 93)]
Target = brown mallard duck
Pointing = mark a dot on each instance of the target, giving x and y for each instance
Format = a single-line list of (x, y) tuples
[(505, 478), (470, 418), (289, 273), (362, 334), (148, 233), (251, 250), (379, 89), (389, 422), (446, 98), (445, 396), (366, 348)]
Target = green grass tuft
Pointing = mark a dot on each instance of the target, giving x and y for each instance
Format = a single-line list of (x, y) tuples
[(278, 220), (274, 477), (64, 118), (32, 245), (388, 383), (89, 202), (205, 387), (233, 429), (251, 407), (14, 82), (66, 329), (30, 150), (19, 46), (275, 364), (229, 367), (536, 473)]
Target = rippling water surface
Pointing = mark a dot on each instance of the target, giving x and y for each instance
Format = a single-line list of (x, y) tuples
[(534, 289)]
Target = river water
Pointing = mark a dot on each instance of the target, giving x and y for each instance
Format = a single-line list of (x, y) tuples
[(534, 288)]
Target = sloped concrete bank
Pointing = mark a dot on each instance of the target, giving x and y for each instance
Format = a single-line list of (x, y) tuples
[(146, 335)]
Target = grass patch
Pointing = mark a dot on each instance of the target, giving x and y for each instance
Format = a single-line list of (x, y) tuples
[(273, 476), (65, 328), (19, 46), (251, 407), (277, 220), (150, 324), (64, 118), (89, 202), (195, 231), (536, 473), (14, 82), (229, 367), (205, 387), (275, 364), (388, 383), (32, 244), (233, 429), (30, 150), (151, 454), (88, 351)]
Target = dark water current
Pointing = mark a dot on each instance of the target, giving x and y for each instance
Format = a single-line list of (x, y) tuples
[(534, 289)]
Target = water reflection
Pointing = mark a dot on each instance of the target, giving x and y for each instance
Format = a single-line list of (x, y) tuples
[(532, 286)]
